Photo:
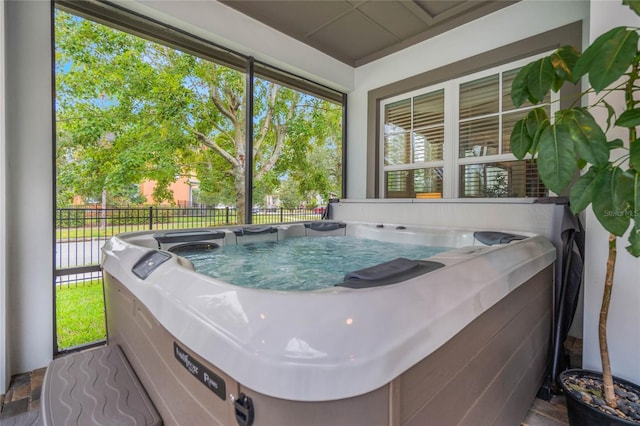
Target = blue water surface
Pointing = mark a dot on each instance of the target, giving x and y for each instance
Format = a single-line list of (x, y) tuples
[(300, 264)]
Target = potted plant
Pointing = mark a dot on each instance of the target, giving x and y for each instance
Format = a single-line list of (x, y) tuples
[(609, 181)]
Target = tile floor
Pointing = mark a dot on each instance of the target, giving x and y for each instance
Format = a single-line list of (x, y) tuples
[(20, 405)]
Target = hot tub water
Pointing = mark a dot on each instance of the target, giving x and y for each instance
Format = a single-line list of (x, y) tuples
[(300, 264)]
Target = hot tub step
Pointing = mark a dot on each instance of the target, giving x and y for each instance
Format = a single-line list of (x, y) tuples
[(96, 387)]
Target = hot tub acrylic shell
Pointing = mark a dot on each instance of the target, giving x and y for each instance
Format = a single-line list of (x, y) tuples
[(467, 341)]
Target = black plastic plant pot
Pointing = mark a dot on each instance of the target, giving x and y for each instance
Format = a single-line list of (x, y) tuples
[(583, 413)]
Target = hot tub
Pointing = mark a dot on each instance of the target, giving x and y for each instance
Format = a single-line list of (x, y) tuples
[(464, 343)]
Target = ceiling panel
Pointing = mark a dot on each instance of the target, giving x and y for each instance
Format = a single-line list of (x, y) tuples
[(353, 35), (395, 17), (435, 8), (359, 31)]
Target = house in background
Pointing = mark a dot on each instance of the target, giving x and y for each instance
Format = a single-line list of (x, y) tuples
[(182, 190), (513, 31)]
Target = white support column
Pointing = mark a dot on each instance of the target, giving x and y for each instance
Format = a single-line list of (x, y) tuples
[(28, 199)]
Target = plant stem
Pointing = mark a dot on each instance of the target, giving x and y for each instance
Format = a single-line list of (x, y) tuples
[(607, 377)]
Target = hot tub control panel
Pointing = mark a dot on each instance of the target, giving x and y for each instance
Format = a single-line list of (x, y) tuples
[(149, 262)]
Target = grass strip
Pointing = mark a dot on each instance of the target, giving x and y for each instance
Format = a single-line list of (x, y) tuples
[(80, 314)]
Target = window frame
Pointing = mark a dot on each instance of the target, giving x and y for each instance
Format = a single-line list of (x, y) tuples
[(451, 160), (569, 34)]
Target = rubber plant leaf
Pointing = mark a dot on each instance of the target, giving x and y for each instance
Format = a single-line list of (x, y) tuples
[(589, 139), (633, 4), (625, 197), (582, 163), (634, 155), (520, 140), (606, 203), (630, 118), (537, 121), (564, 60), (614, 58), (629, 193), (632, 188), (581, 193), (519, 90), (556, 157), (556, 83), (615, 144), (540, 78), (584, 64), (611, 113)]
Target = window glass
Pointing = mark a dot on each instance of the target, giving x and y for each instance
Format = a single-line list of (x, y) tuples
[(414, 183), (160, 105), (428, 144), (428, 126), (397, 117), (297, 146), (480, 97), (500, 179), (131, 112), (479, 137), (428, 110), (414, 129), (397, 148)]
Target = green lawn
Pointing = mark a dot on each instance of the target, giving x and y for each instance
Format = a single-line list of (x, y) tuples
[(80, 314)]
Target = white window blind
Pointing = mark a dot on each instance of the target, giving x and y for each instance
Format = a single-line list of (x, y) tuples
[(471, 118)]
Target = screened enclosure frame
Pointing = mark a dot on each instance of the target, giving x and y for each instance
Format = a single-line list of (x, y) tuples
[(120, 18)]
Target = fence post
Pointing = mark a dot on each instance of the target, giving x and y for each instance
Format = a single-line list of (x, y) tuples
[(281, 214), (226, 215), (151, 218)]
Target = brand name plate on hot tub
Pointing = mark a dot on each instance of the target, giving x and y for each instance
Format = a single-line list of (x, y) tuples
[(207, 377)]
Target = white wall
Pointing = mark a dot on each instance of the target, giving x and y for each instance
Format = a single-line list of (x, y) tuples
[(29, 194), (623, 331), (510, 24)]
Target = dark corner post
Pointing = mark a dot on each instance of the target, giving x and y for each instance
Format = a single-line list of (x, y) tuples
[(344, 146), (248, 158), (54, 144)]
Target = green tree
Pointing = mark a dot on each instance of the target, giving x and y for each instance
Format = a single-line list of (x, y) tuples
[(129, 110)]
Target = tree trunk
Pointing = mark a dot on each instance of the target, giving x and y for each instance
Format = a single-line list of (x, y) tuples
[(103, 213), (239, 186), (607, 377)]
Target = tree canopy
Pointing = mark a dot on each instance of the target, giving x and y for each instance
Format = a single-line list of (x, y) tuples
[(130, 110)]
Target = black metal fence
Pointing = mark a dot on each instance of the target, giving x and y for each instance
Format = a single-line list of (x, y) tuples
[(81, 232)]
